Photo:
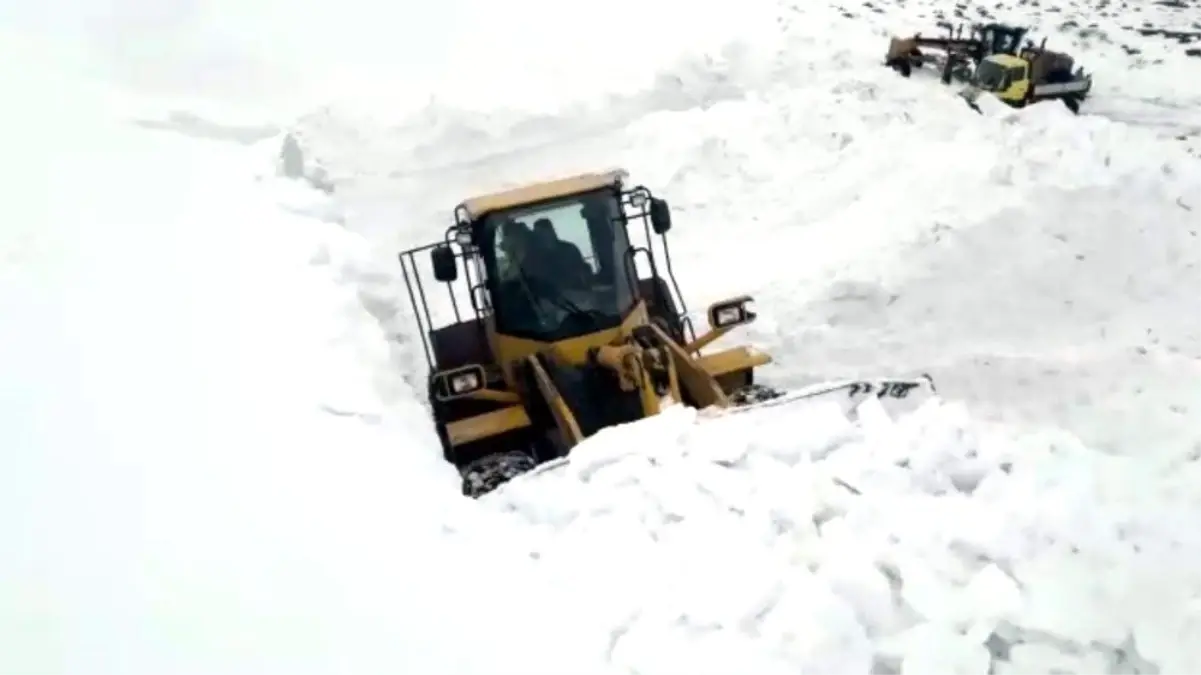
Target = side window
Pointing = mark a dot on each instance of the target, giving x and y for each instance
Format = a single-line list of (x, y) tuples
[(1016, 74), (502, 247)]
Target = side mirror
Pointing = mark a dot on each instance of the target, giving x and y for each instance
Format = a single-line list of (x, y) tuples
[(660, 216), (446, 269)]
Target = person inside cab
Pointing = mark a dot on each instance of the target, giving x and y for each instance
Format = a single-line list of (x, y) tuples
[(514, 245), (513, 297), (564, 262)]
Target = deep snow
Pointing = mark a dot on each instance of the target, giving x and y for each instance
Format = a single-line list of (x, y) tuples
[(879, 227), (213, 460)]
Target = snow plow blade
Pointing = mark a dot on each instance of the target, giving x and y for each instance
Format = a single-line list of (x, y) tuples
[(970, 96), (897, 395)]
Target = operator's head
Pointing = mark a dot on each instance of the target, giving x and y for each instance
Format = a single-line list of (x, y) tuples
[(544, 229), (515, 238), (544, 238)]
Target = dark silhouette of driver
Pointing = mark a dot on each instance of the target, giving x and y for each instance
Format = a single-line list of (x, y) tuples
[(564, 262), (515, 302), (515, 244)]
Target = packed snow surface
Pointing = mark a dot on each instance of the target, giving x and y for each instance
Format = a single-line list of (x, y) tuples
[(215, 461), (1041, 265)]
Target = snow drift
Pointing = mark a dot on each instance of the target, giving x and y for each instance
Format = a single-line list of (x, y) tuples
[(213, 462), (784, 541), (209, 462)]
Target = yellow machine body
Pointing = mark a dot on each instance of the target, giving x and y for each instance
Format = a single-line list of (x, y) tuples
[(503, 388)]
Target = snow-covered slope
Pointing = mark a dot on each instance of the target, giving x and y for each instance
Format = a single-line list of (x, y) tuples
[(212, 460), (1075, 309), (1041, 265), (782, 541), (1145, 56), (880, 226), (207, 456)]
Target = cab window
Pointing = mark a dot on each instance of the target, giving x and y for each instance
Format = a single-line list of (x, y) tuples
[(556, 270), (990, 76)]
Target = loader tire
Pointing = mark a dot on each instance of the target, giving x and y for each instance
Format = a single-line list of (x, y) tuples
[(754, 393), (491, 471)]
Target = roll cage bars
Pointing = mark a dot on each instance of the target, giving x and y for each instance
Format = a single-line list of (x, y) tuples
[(635, 205)]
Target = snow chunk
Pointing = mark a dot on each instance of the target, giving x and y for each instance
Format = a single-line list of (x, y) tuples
[(927, 543)]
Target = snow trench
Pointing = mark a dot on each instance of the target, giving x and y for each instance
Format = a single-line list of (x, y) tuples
[(213, 463)]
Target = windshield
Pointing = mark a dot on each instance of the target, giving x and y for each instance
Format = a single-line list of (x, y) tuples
[(990, 76), (557, 269)]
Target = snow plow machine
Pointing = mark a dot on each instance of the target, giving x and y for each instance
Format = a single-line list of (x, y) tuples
[(955, 55), (1031, 75), (564, 336)]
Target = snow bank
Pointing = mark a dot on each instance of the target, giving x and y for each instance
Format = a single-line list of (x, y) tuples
[(749, 543), (791, 540), (201, 471), (828, 143), (210, 462)]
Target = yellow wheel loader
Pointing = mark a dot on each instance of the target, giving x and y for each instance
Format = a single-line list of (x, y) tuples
[(563, 336)]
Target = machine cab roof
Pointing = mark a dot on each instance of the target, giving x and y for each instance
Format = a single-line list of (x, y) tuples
[(530, 194)]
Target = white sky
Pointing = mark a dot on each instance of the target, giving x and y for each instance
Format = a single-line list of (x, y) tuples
[(244, 48)]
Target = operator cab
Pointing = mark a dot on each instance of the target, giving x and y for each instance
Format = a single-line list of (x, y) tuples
[(1002, 38), (552, 261), (557, 269), (997, 72)]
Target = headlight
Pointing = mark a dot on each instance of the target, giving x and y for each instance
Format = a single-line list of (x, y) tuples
[(732, 312), (463, 384), (727, 316), (459, 382)]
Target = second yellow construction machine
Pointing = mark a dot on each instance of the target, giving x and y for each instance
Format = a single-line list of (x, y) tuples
[(954, 54), (564, 337), (1033, 74)]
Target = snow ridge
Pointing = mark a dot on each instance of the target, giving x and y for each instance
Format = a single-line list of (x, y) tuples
[(248, 484), (799, 541)]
